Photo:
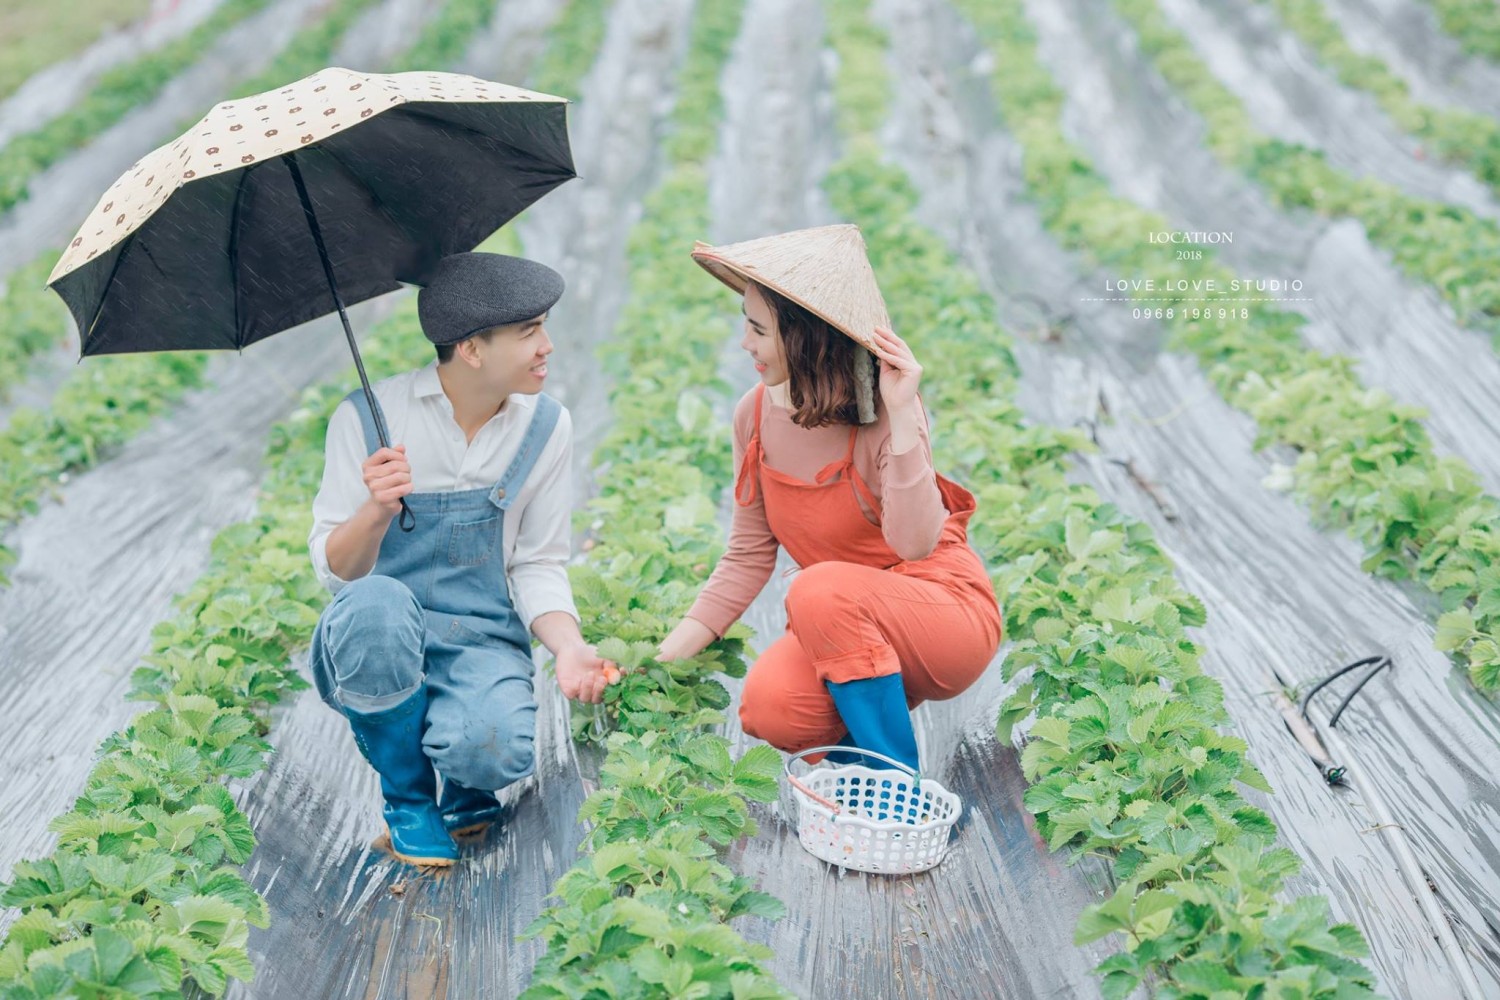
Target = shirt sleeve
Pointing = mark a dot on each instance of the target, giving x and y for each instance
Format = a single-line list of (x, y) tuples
[(342, 490), (745, 567), (912, 511), (538, 568)]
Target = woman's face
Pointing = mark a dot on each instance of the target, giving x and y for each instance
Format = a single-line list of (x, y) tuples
[(762, 339)]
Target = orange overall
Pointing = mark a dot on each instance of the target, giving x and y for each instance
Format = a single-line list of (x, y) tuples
[(857, 609)]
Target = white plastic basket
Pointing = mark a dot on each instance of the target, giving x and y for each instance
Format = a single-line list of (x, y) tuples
[(889, 822)]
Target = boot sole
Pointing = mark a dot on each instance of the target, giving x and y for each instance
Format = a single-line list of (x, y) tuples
[(384, 843), (472, 830), (422, 862)]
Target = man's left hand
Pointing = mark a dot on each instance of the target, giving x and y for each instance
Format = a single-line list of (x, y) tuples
[(583, 674)]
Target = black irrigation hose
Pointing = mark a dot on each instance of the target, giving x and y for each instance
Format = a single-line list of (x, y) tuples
[(1301, 726), (1380, 661)]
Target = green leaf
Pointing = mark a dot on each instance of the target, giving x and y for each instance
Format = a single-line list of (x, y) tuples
[(1104, 918), (756, 773), (1049, 630), (651, 964), (1051, 730), (757, 904), (711, 755), (1454, 629), (1252, 776)]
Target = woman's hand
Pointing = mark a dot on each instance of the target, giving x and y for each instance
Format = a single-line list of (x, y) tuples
[(689, 638), (899, 372)]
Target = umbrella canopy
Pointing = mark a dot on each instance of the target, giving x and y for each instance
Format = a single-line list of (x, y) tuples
[(207, 242)]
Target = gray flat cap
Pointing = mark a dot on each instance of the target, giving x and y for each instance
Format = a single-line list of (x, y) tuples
[(471, 292)]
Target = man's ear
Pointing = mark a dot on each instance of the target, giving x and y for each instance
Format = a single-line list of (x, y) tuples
[(468, 351)]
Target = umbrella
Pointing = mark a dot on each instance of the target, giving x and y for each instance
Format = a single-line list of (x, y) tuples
[(281, 207)]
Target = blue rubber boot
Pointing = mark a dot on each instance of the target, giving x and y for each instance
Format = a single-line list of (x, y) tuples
[(467, 811), (844, 756), (391, 741), (875, 711)]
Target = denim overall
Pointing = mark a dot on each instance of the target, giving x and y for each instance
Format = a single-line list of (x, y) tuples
[(434, 617)]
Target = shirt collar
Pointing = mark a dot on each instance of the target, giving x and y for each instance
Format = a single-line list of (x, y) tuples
[(426, 382)]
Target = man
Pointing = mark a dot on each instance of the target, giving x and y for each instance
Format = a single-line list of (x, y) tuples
[(425, 647)]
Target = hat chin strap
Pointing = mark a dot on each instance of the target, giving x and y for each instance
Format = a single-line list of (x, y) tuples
[(864, 385)]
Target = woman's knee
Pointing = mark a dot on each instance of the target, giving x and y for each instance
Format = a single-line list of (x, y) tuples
[(775, 716), (818, 593)]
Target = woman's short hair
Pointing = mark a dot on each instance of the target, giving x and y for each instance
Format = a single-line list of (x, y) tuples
[(820, 363)]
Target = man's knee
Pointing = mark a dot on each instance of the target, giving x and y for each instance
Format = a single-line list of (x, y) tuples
[(376, 600), (487, 755), (373, 636)]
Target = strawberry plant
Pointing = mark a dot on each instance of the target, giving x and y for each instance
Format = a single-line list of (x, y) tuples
[(644, 913)]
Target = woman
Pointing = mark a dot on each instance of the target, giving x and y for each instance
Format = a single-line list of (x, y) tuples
[(891, 606)]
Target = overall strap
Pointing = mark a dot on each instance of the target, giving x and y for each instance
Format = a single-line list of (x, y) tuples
[(748, 478), (845, 467), (367, 419), (863, 491), (537, 434)]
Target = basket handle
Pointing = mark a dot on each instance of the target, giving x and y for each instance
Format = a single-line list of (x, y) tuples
[(834, 806), (864, 753)]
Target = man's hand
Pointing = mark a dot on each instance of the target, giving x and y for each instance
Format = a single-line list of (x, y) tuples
[(583, 674), (387, 476)]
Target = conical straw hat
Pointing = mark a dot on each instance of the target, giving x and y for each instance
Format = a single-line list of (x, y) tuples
[(824, 270)]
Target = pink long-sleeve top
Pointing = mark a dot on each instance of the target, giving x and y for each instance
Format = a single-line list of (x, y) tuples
[(911, 515)]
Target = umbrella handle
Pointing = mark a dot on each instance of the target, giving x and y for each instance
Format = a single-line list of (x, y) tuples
[(407, 520)]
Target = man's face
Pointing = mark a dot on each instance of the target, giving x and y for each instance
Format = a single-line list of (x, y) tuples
[(513, 358)]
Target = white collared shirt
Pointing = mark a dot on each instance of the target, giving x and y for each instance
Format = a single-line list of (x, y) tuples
[(536, 538)]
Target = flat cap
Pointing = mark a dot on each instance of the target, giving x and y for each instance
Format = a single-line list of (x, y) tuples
[(468, 293)]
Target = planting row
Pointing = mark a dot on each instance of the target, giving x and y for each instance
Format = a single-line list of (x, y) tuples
[(1364, 462), (119, 91), (1443, 245), (1124, 756), (571, 45), (1460, 137), (645, 911), (1475, 23)]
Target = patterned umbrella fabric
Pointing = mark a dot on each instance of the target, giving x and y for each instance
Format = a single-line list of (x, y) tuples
[(206, 242)]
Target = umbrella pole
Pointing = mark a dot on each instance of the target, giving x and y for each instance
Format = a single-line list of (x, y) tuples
[(408, 520)]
